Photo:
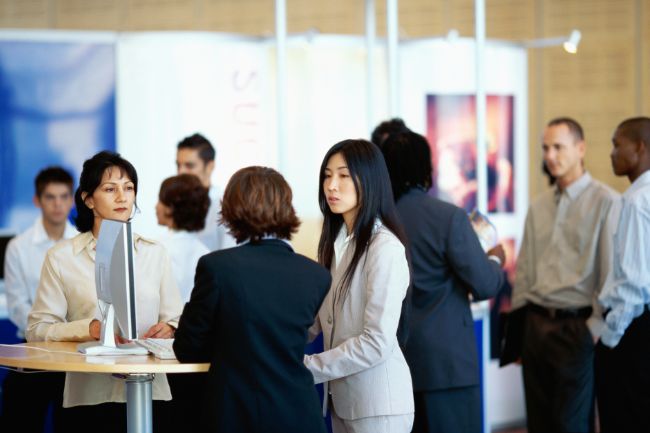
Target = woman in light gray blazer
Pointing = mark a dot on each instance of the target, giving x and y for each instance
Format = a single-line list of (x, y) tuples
[(367, 381)]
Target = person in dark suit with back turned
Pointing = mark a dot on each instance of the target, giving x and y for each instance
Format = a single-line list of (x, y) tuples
[(249, 314), (448, 264)]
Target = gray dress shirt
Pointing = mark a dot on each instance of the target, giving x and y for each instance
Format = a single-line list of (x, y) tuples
[(566, 253)]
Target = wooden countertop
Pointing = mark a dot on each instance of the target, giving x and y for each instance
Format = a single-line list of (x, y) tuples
[(63, 356)]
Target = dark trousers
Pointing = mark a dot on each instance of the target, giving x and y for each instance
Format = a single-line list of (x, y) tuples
[(557, 364), (623, 380), (27, 398), (188, 392), (455, 410)]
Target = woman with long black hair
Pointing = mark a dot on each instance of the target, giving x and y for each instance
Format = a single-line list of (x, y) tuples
[(367, 381)]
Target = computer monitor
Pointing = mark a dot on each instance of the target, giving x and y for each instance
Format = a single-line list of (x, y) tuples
[(115, 285), (4, 241), (5, 237)]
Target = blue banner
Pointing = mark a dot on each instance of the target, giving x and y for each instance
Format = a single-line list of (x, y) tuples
[(57, 107)]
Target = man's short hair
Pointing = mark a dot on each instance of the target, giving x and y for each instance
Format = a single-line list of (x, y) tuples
[(52, 175), (200, 144), (572, 124), (408, 159), (636, 129), (386, 128)]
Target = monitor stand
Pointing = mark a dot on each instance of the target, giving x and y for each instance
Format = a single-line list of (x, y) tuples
[(106, 344)]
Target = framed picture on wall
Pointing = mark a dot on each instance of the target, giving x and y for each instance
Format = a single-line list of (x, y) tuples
[(451, 131)]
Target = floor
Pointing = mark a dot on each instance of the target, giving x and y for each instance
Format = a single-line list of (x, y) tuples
[(511, 430)]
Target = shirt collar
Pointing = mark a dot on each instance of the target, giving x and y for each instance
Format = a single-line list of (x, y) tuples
[(177, 234), (639, 183), (86, 239), (267, 238), (577, 187), (214, 192), (41, 236), (343, 237), (70, 231), (82, 241)]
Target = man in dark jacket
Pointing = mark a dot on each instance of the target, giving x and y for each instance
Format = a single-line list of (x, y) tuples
[(448, 264)]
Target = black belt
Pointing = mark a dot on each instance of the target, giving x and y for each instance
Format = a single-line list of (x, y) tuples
[(561, 313)]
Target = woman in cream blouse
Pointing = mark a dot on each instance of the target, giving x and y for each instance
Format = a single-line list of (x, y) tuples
[(65, 308)]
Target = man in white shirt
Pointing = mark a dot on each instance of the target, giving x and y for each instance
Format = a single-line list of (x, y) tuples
[(564, 261), (26, 397), (623, 353), (196, 155)]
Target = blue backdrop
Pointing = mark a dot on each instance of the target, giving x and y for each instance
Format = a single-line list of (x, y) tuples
[(57, 107)]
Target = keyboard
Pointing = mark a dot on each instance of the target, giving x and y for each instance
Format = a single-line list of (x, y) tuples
[(159, 347)]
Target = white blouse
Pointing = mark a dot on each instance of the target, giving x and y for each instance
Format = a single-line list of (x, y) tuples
[(184, 249), (66, 303)]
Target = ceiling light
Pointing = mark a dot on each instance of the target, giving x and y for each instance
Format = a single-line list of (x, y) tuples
[(570, 43)]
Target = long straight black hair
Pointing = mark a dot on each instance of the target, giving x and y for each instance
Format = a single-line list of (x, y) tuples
[(375, 200)]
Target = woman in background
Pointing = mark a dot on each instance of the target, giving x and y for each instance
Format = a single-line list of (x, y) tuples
[(182, 206), (183, 203), (363, 368), (65, 308), (250, 312)]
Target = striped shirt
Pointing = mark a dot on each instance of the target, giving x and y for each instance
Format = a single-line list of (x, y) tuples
[(630, 291)]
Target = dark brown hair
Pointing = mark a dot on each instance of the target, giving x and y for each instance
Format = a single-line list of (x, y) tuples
[(188, 200), (52, 175), (408, 159), (636, 129), (386, 128), (200, 144), (572, 124), (256, 203)]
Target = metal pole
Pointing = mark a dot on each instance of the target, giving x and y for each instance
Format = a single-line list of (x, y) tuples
[(138, 403), (481, 150), (392, 37), (371, 36), (481, 142), (281, 80)]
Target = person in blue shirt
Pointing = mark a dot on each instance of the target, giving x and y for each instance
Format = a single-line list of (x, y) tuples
[(623, 352)]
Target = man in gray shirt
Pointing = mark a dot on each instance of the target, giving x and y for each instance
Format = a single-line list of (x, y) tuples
[(564, 261)]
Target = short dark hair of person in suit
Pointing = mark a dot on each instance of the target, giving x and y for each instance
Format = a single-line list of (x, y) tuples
[(387, 128), (249, 315), (447, 264)]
